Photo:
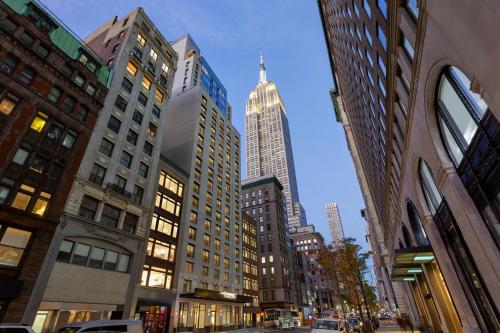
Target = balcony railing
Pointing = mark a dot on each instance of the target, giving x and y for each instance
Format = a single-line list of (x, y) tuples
[(118, 189)]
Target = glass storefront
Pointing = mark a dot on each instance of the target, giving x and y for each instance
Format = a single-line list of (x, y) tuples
[(155, 318), (213, 316)]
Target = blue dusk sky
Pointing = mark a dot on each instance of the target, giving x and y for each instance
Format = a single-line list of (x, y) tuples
[(230, 34)]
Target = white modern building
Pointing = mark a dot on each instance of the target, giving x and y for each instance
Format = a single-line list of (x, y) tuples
[(269, 147), (334, 222), (201, 140)]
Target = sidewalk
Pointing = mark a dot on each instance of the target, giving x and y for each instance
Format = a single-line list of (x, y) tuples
[(395, 329), (242, 330)]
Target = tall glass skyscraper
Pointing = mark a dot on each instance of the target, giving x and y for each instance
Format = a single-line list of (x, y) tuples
[(269, 148), (334, 222)]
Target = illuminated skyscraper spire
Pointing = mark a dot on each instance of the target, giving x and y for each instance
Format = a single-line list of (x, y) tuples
[(269, 146), (262, 70)]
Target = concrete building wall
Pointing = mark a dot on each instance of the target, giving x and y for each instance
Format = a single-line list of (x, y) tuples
[(201, 139), (122, 214), (263, 200), (437, 35)]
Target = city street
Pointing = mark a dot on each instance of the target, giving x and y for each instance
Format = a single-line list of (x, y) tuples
[(206, 166), (307, 329)]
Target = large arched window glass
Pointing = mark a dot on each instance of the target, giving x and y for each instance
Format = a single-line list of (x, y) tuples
[(416, 225), (406, 236), (470, 134), (432, 194), (481, 302), (460, 111)]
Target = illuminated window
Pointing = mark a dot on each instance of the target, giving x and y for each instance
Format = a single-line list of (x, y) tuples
[(7, 104), (153, 54), (131, 68), (39, 122), (141, 40), (146, 83), (41, 204), (188, 268), (164, 68), (13, 242), (190, 251), (23, 197), (159, 96), (152, 128)]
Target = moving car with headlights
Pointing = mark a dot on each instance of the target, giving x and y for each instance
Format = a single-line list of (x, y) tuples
[(328, 326)]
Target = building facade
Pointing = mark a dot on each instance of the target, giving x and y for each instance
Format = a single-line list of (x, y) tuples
[(99, 243), (387, 301), (416, 82), (155, 297), (250, 271), (201, 139), (334, 222), (52, 87), (303, 283), (308, 241), (263, 200), (269, 146)]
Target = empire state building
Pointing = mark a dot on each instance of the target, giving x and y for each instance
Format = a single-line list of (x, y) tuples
[(269, 148)]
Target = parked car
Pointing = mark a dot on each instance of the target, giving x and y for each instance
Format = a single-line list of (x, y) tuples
[(15, 328), (327, 326), (115, 326), (354, 324)]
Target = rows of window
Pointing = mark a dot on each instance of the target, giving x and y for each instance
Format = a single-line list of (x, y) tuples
[(248, 254), (43, 51), (168, 204), (164, 225), (57, 139), (79, 253), (250, 268), (171, 183), (250, 284), (161, 250), (98, 173), (111, 216), (156, 277)]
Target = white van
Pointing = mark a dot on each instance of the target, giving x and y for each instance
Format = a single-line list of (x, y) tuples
[(111, 326)]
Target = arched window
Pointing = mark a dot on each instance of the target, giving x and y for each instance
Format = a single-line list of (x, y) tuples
[(432, 194), (406, 236), (481, 302), (416, 225), (469, 131)]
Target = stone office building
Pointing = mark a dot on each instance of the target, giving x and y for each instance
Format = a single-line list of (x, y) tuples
[(201, 139), (263, 200), (308, 241), (99, 244), (418, 82), (52, 87), (250, 271)]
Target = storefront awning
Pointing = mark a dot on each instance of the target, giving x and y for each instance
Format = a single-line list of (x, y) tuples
[(403, 278), (413, 255), (406, 269)]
